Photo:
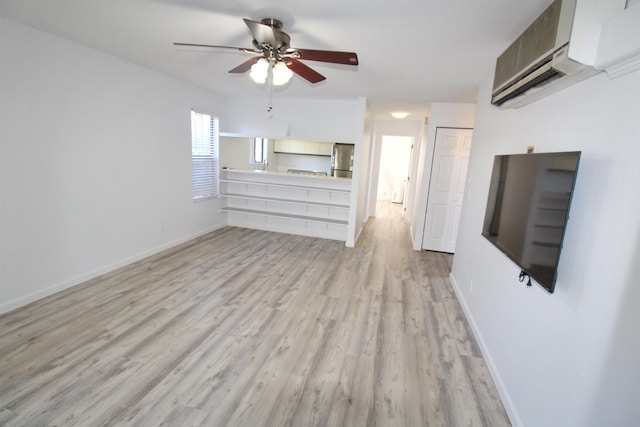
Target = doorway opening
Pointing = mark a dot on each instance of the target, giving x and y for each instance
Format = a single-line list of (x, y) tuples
[(395, 161)]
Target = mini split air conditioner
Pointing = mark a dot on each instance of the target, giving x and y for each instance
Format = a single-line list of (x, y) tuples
[(557, 50)]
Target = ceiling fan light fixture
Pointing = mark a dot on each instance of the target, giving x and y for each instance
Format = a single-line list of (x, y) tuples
[(260, 71), (277, 61), (281, 74), (399, 114)]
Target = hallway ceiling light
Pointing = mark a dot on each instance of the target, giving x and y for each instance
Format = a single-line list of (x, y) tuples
[(399, 114)]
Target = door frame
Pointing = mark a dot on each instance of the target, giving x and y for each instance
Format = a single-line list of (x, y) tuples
[(394, 127), (407, 172)]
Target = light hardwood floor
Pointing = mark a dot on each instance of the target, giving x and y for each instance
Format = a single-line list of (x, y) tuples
[(248, 328)]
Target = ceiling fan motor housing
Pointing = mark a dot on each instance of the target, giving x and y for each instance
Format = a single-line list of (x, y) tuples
[(282, 39), (272, 22)]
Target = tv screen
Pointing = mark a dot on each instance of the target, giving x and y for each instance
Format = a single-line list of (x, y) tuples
[(528, 208)]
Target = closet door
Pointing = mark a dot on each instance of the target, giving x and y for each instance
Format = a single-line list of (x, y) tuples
[(446, 188)]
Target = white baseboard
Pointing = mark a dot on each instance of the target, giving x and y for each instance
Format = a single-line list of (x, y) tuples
[(512, 412), (358, 234), (7, 306)]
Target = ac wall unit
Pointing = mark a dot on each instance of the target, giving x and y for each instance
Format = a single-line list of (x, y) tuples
[(555, 51), (619, 44)]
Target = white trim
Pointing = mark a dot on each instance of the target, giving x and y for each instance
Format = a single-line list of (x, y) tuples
[(350, 244), (509, 406)]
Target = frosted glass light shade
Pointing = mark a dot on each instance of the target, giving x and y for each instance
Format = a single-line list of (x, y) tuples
[(260, 71), (281, 74)]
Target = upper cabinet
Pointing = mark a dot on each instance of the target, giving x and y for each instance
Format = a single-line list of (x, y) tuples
[(293, 146)]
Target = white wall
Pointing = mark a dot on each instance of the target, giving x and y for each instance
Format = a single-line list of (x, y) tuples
[(301, 161), (330, 120), (362, 165), (95, 163), (570, 358), (442, 115), (235, 154)]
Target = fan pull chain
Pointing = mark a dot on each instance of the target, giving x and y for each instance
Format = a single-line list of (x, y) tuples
[(270, 83)]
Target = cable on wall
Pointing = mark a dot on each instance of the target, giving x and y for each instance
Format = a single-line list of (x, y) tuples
[(522, 276)]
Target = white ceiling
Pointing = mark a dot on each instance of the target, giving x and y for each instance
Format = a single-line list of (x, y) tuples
[(411, 52)]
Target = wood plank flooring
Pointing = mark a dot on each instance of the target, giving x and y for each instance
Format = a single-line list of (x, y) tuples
[(250, 328)]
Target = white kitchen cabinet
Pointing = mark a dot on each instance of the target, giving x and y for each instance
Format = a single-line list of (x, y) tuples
[(293, 146)]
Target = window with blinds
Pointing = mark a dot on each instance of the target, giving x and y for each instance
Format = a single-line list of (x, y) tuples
[(205, 159)]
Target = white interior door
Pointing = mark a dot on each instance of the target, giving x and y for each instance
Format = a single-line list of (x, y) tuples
[(446, 188)]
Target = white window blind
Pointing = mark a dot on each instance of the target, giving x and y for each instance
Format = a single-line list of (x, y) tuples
[(204, 156)]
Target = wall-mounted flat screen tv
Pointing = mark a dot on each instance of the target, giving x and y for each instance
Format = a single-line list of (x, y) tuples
[(528, 209)]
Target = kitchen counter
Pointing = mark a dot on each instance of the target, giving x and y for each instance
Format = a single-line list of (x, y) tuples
[(308, 205)]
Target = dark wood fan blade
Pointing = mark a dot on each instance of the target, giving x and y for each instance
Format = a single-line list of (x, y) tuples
[(246, 65), (348, 58), (263, 34), (304, 71), (241, 49)]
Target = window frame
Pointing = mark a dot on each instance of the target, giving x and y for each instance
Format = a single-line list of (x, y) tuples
[(205, 156), (263, 144)]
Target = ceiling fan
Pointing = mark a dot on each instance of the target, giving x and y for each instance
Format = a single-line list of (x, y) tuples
[(276, 58)]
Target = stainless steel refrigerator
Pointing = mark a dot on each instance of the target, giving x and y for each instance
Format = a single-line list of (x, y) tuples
[(342, 160)]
